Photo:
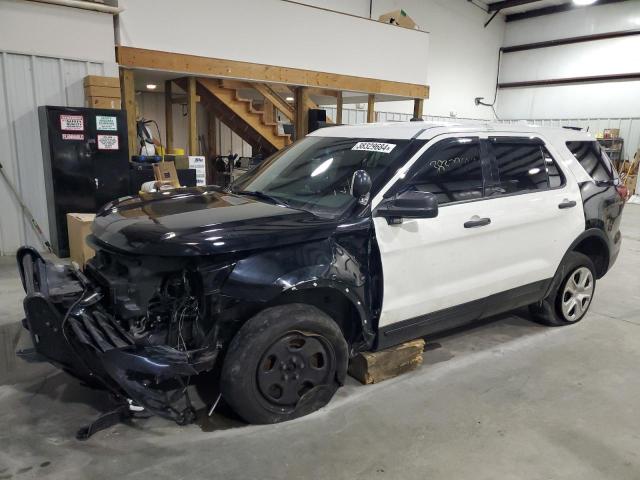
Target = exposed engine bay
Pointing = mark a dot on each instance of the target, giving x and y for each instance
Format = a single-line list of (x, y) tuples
[(153, 322)]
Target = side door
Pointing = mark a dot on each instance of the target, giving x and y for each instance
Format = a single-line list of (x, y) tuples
[(431, 265), (536, 214)]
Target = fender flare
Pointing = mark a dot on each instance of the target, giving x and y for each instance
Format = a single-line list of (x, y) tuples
[(560, 271)]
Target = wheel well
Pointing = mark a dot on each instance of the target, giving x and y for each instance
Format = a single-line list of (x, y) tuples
[(597, 250), (331, 302)]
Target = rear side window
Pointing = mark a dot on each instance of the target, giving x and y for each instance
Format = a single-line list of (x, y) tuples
[(593, 160), (519, 166), (451, 170)]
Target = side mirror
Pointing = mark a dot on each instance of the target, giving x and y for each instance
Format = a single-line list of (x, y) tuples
[(409, 204), (360, 183), (361, 186)]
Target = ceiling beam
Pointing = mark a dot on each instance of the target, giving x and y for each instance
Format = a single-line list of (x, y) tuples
[(565, 7), (497, 6), (138, 58)]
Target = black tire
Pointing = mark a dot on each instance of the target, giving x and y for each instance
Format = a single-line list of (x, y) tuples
[(550, 310), (285, 362)]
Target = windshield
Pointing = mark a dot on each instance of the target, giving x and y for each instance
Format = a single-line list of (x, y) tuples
[(315, 173)]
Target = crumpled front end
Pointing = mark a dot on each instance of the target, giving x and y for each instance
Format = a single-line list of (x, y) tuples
[(146, 357)]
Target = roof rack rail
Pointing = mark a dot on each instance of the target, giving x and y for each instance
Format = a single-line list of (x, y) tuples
[(573, 128)]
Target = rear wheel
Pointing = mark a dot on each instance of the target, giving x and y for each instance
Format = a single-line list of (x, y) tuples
[(285, 362), (569, 301)]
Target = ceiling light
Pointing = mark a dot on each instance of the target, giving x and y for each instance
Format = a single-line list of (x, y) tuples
[(289, 99), (151, 86), (584, 2), (323, 167)]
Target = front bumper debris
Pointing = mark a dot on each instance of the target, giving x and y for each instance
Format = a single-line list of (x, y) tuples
[(72, 330)]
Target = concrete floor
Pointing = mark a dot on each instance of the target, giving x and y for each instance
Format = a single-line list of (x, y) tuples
[(505, 400)]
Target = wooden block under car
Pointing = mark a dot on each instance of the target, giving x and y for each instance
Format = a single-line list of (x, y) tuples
[(78, 228), (374, 367)]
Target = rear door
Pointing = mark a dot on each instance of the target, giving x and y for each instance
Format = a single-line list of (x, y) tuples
[(536, 212)]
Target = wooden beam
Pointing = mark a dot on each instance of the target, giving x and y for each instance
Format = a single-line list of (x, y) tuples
[(564, 7), (497, 6), (302, 112), (215, 67), (191, 116), (128, 94), (371, 108), (168, 116), (418, 107), (212, 142), (324, 92), (339, 108)]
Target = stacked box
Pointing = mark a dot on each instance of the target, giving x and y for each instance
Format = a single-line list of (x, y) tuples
[(102, 92)]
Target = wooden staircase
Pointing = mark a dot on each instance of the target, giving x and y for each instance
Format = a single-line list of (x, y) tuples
[(223, 98)]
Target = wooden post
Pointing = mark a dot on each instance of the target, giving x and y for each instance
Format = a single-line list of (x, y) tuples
[(418, 106), (128, 93), (191, 116), (212, 141), (339, 108), (269, 114), (302, 112), (371, 108), (168, 116)]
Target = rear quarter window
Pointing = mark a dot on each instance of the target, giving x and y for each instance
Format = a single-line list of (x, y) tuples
[(593, 160)]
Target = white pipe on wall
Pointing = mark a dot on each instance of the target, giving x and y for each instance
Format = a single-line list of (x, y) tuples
[(83, 5)]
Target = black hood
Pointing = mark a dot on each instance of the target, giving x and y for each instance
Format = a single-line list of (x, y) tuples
[(202, 221)]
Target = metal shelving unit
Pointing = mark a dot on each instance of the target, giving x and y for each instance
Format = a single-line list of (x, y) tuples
[(614, 148)]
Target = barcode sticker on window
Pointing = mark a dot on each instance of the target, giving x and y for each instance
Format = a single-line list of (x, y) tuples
[(374, 147)]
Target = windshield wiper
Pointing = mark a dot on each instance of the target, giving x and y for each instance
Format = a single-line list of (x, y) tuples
[(261, 196)]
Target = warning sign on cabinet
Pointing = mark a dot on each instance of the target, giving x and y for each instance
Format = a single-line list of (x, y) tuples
[(73, 136), (108, 142), (74, 123), (106, 123)]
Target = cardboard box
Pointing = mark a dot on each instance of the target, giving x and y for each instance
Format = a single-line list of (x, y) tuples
[(103, 102), (99, 81), (611, 133), (78, 228), (630, 182), (398, 17), (94, 91), (166, 172)]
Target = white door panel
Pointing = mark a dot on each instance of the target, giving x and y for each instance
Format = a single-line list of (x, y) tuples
[(433, 264)]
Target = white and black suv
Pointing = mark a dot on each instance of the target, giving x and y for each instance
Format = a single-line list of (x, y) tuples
[(354, 238)]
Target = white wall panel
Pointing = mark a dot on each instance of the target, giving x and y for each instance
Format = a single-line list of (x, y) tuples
[(463, 54), (54, 31), (602, 57), (574, 23), (235, 30), (27, 82)]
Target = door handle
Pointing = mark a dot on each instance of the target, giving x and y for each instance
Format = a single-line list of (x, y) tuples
[(477, 222), (567, 204)]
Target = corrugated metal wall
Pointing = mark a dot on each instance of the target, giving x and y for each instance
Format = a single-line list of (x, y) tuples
[(26, 82)]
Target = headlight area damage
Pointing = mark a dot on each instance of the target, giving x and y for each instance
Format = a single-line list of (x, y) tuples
[(136, 326)]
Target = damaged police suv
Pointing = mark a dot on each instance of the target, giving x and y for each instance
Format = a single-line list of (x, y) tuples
[(354, 238)]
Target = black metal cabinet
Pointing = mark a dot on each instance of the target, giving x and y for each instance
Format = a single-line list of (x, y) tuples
[(86, 163)]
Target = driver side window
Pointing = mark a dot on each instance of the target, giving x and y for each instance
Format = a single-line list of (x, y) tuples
[(451, 170)]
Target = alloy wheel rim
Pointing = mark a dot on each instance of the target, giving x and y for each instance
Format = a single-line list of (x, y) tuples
[(577, 294), (292, 366)]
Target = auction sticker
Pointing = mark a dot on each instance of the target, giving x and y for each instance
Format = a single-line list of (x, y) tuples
[(72, 123), (73, 136), (374, 147), (106, 123), (108, 142)]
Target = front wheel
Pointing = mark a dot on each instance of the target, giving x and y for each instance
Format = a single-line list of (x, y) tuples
[(569, 301), (285, 362)]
